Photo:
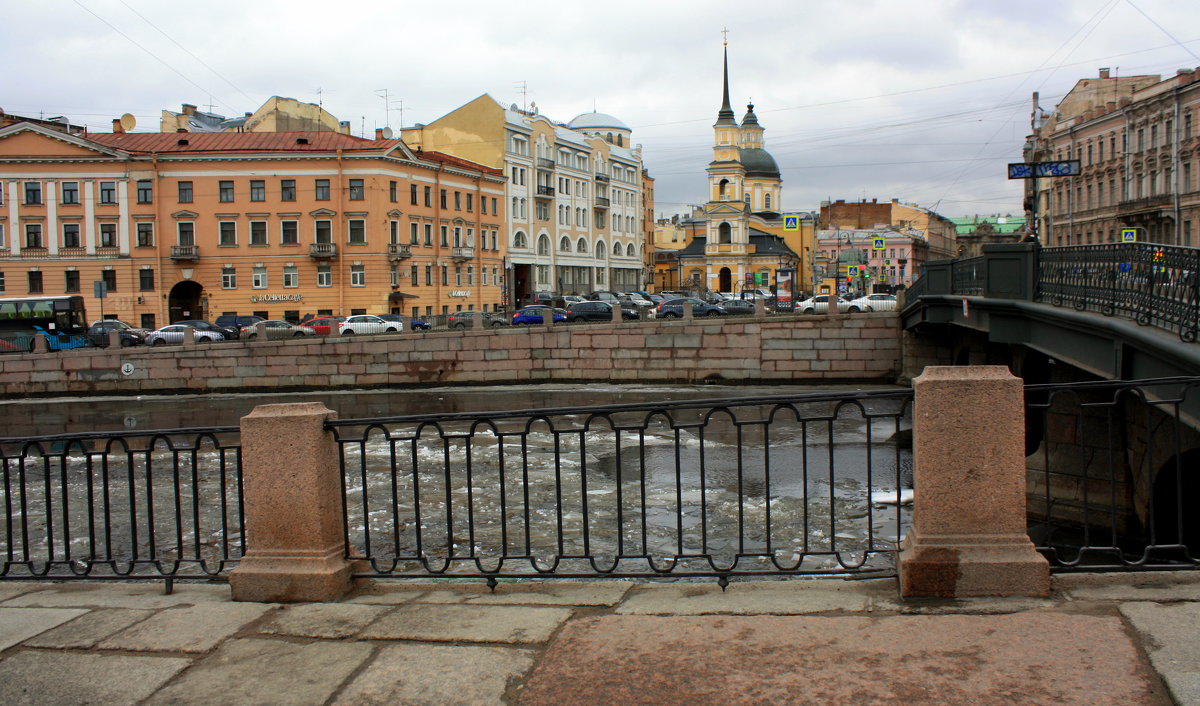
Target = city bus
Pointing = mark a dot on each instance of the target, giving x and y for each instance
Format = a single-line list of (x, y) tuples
[(62, 318)]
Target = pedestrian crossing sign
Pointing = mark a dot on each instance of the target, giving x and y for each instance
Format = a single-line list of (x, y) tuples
[(791, 223), (852, 270), (878, 244), (1129, 235), (887, 261)]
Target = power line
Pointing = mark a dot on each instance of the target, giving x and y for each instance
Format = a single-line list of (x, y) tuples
[(1163, 30)]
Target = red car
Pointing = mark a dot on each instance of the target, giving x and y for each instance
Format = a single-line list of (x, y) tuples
[(325, 325)]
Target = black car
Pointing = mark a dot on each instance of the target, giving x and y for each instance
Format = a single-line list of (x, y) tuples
[(596, 311), (739, 307), (230, 333), (98, 332), (673, 308), (237, 322)]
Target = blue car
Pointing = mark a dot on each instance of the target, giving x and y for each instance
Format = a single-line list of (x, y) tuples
[(533, 316), (409, 323)]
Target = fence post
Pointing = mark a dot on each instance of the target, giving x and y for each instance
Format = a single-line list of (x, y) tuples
[(968, 535), (295, 548)]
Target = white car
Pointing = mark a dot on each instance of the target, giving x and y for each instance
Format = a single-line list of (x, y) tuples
[(873, 302), (173, 335), (820, 304), (368, 323)]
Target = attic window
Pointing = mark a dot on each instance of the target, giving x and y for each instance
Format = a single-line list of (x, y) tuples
[(182, 142), (302, 140)]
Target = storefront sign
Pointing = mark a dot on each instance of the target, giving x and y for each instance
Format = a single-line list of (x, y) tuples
[(276, 298), (460, 292)]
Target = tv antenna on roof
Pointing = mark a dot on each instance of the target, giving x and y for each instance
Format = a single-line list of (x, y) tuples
[(524, 86)]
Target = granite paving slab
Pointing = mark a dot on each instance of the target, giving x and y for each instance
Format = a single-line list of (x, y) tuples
[(42, 678), (595, 593), (1172, 645), (256, 671), (122, 595), (437, 674), (468, 623), (197, 628), (1147, 586), (794, 597), (324, 620), (88, 629), (12, 589), (1030, 658), (20, 624)]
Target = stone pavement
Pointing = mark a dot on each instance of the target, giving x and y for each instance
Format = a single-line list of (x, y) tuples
[(1115, 638)]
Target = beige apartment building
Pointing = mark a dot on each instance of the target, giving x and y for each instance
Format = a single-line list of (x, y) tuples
[(1135, 138), (194, 225)]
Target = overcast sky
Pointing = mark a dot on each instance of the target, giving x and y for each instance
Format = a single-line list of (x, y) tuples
[(921, 101)]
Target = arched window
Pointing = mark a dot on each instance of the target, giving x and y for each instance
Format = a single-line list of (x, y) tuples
[(609, 138), (617, 249), (581, 245), (543, 245), (600, 251), (620, 140), (724, 233), (747, 198), (519, 240), (767, 201), (721, 189), (565, 244), (629, 250)]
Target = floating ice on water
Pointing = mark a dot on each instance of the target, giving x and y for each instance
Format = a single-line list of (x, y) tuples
[(904, 496)]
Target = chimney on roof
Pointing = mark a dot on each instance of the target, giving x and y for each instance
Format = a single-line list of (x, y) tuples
[(117, 127), (189, 109), (378, 133), (1104, 72), (344, 127)]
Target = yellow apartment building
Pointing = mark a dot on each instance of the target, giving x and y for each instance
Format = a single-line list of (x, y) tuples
[(195, 225)]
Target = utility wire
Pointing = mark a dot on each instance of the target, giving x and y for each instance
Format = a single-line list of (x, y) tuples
[(1163, 30)]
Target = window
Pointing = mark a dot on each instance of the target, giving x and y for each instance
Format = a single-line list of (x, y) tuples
[(470, 202), (324, 232), (494, 211), (428, 234), (617, 249), (445, 275), (470, 275), (70, 235), (145, 235), (429, 196), (357, 192), (225, 191), (442, 199), (429, 275), (629, 250), (258, 232), (458, 277), (109, 277), (322, 190), (291, 277), (187, 233), (146, 280), (581, 246), (412, 274), (145, 191), (393, 192), (35, 282), (600, 250), (767, 201), (458, 242), (395, 275), (543, 247), (358, 231), (1, 281), (258, 190), (412, 194), (324, 276), (108, 192), (228, 233), (185, 191), (108, 235), (71, 281), (287, 190), (258, 278), (414, 236), (445, 236), (289, 233), (457, 200), (228, 278), (33, 193), (70, 192), (564, 245)]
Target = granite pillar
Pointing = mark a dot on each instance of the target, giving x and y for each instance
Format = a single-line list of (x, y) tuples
[(968, 535), (293, 503)]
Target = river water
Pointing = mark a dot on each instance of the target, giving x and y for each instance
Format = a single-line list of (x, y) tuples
[(810, 487)]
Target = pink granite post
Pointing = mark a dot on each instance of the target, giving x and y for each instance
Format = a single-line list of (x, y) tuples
[(968, 534), (294, 545), (41, 344), (617, 316)]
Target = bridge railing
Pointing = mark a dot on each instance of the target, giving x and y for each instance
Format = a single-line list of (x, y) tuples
[(799, 484)]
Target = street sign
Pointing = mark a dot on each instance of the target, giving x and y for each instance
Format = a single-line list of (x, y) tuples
[(878, 244), (791, 222), (1129, 235), (99, 289), (887, 261), (851, 270), (1031, 170)]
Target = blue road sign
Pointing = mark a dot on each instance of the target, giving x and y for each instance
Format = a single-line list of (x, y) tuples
[(878, 244), (1129, 235), (1029, 170), (791, 223)]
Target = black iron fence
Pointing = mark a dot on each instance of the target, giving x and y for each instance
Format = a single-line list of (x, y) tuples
[(154, 504), (1114, 473), (967, 275), (802, 484)]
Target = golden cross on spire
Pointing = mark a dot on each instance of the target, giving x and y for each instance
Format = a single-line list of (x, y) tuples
[(725, 32)]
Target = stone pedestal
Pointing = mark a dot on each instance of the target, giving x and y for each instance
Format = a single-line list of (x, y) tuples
[(293, 504), (114, 339), (617, 317), (968, 535)]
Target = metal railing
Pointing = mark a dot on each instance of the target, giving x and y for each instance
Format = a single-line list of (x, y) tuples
[(798, 484), (149, 505), (1112, 473), (1155, 285), (967, 275)]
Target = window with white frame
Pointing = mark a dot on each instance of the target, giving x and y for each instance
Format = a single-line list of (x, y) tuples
[(145, 235), (324, 276), (581, 245), (543, 247), (564, 244), (357, 231), (520, 241), (258, 232), (70, 192), (258, 279), (291, 277), (108, 235), (395, 275), (358, 276), (228, 234), (70, 235), (289, 233), (228, 278)]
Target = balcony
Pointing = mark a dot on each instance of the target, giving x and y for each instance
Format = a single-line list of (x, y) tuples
[(545, 191), (322, 251), (467, 253), (1146, 206), (546, 164), (602, 202), (399, 251), (185, 252), (602, 177)]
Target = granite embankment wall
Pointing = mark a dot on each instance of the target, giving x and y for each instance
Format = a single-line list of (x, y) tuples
[(780, 348)]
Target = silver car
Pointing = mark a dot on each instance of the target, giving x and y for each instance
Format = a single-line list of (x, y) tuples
[(173, 335), (278, 329)]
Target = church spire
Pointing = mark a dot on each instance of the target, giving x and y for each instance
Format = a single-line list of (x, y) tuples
[(725, 115)]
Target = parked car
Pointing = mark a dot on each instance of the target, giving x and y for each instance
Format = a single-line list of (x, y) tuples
[(596, 311), (278, 329), (655, 299), (368, 323), (740, 307), (602, 296), (571, 299), (173, 334), (673, 308), (820, 304), (534, 315), (411, 323), (462, 319), (227, 332), (873, 302), (324, 325), (98, 332), (236, 321)]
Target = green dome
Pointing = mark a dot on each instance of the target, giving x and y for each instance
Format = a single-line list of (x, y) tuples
[(758, 162)]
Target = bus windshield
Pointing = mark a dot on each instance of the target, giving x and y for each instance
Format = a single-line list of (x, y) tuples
[(61, 314)]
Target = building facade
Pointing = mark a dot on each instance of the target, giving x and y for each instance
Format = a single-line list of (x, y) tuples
[(1135, 138), (195, 225), (939, 232), (867, 260), (576, 199)]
